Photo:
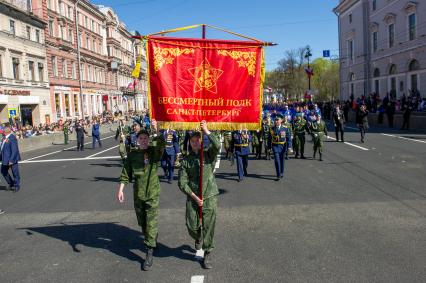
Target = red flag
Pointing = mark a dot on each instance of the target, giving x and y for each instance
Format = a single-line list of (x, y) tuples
[(214, 80)]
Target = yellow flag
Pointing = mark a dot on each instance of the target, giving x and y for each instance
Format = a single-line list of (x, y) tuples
[(136, 71)]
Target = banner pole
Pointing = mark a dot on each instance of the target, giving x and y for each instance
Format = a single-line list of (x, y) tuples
[(202, 148)]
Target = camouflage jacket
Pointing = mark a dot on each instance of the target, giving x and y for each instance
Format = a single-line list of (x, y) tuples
[(300, 127), (189, 173), (142, 164)]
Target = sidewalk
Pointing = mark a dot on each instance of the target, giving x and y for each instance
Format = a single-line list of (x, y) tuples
[(39, 142)]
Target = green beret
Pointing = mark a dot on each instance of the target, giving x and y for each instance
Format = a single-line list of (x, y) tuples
[(279, 116)]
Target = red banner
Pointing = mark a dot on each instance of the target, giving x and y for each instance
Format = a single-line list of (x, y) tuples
[(219, 81)]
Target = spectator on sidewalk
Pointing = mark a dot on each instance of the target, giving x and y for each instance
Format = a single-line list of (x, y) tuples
[(406, 117)]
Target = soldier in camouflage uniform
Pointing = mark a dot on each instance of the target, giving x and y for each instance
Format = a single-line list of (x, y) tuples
[(122, 133), (66, 132), (318, 130), (189, 175), (227, 141), (142, 164), (299, 128)]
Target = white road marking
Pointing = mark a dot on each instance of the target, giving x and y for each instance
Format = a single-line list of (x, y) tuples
[(69, 159), (403, 138), (217, 165), (100, 152), (65, 149), (357, 146), (351, 144), (352, 128), (197, 279), (199, 254)]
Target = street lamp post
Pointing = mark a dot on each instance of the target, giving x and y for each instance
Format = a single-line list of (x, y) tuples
[(79, 57), (308, 55)]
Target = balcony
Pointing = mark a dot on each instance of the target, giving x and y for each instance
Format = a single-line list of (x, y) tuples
[(64, 45)]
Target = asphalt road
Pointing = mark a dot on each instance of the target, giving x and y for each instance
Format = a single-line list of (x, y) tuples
[(358, 216)]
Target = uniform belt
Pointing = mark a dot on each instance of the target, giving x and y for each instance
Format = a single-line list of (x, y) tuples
[(278, 142), (169, 145), (241, 144)]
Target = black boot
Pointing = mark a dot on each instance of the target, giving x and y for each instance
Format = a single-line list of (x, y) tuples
[(320, 156), (148, 259), (315, 154), (206, 261)]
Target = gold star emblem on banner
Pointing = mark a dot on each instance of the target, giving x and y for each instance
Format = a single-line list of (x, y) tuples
[(206, 77)]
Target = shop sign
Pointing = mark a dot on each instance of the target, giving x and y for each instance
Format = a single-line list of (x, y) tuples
[(14, 92), (13, 112)]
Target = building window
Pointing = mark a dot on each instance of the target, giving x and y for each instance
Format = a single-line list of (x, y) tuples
[(87, 42), (12, 27), (412, 26), (391, 35), (31, 74), (28, 29), (93, 25), (38, 35), (49, 4), (61, 31), (76, 103), (58, 105), (40, 72), (54, 67), (374, 5), (51, 27), (375, 41), (94, 46), (67, 105), (15, 68), (86, 21), (89, 73), (73, 71), (350, 18), (414, 83), (69, 12), (64, 68), (376, 86), (82, 71), (351, 50), (60, 7), (70, 37)]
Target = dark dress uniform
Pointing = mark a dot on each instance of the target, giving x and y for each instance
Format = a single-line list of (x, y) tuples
[(241, 147), (339, 123), (80, 131), (279, 138), (170, 152)]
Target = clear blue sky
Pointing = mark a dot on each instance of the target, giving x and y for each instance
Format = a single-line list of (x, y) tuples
[(290, 23)]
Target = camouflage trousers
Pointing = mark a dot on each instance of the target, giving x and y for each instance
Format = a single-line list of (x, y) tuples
[(318, 142), (209, 221), (299, 144), (147, 215)]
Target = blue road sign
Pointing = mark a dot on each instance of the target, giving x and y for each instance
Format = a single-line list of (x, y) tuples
[(326, 53)]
